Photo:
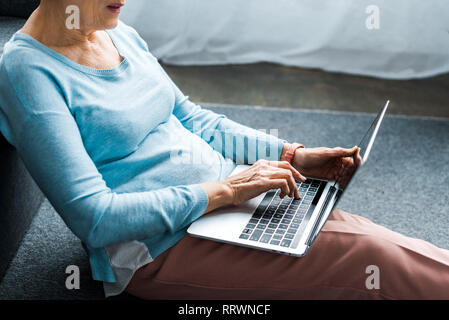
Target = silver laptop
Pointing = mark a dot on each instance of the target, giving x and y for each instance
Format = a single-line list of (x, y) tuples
[(288, 226)]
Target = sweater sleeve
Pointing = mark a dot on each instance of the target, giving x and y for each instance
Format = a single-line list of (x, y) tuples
[(36, 120), (240, 143)]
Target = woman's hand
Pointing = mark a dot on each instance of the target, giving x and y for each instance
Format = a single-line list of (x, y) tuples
[(261, 177), (328, 163)]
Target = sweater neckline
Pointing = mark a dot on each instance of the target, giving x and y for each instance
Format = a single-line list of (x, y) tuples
[(100, 72)]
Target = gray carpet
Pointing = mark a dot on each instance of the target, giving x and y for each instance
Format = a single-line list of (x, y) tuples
[(404, 186)]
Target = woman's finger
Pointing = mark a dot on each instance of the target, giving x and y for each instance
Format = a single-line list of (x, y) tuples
[(288, 176), (341, 152), (357, 158), (287, 165), (280, 184)]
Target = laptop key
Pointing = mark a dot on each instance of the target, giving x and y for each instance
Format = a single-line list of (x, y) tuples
[(292, 230), (277, 237), (275, 242), (247, 231), (255, 221), (289, 236), (280, 231), (264, 221), (272, 225), (244, 236), (279, 212), (269, 231), (261, 226), (286, 243), (265, 238), (283, 226), (294, 225), (256, 235), (274, 220), (250, 226)]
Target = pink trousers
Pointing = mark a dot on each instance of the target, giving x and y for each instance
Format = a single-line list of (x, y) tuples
[(352, 258)]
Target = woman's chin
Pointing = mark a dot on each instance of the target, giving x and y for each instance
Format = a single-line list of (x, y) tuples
[(111, 23)]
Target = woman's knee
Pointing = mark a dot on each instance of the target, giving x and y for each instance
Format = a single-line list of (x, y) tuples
[(387, 265)]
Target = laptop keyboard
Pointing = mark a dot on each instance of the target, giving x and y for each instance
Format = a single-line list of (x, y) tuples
[(276, 221)]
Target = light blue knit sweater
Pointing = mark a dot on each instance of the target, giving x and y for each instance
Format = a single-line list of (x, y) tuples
[(119, 153)]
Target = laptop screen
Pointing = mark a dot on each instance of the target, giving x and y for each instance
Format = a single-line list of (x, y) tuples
[(368, 139), (365, 147), (342, 183)]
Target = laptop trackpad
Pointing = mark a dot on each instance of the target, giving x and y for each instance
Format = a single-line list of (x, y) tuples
[(226, 222)]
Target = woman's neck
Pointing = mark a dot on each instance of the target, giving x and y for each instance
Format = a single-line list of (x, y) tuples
[(47, 24), (85, 46)]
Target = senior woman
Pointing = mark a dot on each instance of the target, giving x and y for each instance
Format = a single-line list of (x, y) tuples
[(98, 124)]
